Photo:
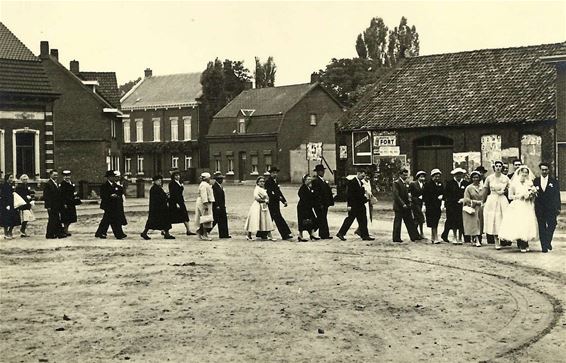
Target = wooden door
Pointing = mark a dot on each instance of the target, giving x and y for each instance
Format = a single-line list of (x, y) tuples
[(242, 167), (434, 152)]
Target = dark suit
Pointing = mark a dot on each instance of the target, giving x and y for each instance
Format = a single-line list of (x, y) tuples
[(356, 199), (323, 200), (417, 201), (547, 208), (276, 197), (403, 212), (112, 203), (452, 194), (219, 211), (53, 203)]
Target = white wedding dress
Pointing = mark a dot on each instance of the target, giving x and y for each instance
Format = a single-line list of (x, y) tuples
[(519, 220)]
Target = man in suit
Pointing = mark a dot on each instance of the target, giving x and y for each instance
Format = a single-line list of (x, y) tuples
[(356, 199), (53, 203), (219, 206), (547, 205), (416, 191), (275, 198), (453, 200), (403, 208), (323, 199), (112, 203)]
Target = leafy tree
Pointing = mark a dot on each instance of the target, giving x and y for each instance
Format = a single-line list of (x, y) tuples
[(375, 39), (361, 47), (265, 73), (403, 42), (126, 87)]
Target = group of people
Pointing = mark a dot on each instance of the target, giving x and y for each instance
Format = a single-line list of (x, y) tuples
[(517, 208)]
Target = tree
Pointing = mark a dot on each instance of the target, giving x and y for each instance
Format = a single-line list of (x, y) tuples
[(361, 47), (126, 87), (265, 73), (403, 42), (372, 42)]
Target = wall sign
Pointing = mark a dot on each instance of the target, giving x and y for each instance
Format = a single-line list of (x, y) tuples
[(382, 139), (314, 151), (343, 152), (361, 147), (389, 151)]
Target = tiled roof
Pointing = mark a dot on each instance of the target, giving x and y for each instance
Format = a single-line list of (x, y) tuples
[(488, 86), (108, 86), (266, 101), (162, 91), (20, 70)]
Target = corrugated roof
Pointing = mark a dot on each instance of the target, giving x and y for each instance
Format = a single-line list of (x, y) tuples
[(108, 86), (487, 86), (161, 91), (266, 101)]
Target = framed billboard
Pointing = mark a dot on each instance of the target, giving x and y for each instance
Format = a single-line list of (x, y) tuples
[(361, 147)]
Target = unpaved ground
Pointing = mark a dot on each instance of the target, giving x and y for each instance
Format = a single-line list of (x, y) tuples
[(84, 299)]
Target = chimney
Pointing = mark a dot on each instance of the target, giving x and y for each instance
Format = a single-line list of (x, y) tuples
[(248, 85), (148, 73), (44, 49), (74, 67), (315, 77), (55, 53)]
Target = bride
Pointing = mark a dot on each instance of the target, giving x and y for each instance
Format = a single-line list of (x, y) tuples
[(519, 221)]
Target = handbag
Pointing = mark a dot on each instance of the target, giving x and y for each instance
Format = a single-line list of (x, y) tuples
[(206, 218), (468, 209), (18, 201)]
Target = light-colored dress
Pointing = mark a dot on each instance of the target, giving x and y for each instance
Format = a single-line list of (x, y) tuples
[(473, 197), (259, 218), (519, 221), (205, 195), (495, 204)]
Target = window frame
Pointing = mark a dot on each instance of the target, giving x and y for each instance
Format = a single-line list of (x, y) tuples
[(156, 121), (174, 121), (139, 130), (126, 126)]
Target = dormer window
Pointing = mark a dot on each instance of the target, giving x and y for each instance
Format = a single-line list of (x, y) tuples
[(313, 119), (242, 125)]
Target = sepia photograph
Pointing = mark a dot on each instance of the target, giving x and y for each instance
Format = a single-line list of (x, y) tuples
[(283, 181)]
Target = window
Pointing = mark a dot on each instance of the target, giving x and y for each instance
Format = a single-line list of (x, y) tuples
[(126, 125), (174, 162), (490, 150), (174, 128), (113, 129), (230, 167), (254, 165), (188, 162), (156, 129), (128, 166), (187, 130), (267, 159), (115, 163), (313, 119), (531, 150), (140, 164), (139, 130), (218, 164), (242, 126)]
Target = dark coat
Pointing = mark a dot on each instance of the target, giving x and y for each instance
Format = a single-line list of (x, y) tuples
[(158, 218), (400, 195), (416, 194), (112, 202), (52, 196), (219, 197), (547, 203), (356, 195), (305, 216), (431, 191), (70, 200), (177, 208), (453, 193), (9, 216), (274, 192), (27, 193), (322, 192)]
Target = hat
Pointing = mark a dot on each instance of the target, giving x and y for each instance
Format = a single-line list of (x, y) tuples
[(157, 177), (458, 171), (274, 169), (109, 173), (319, 167), (475, 172), (403, 169), (420, 172), (66, 172), (218, 175), (117, 173), (481, 169), (266, 173), (205, 175), (435, 171), (174, 172)]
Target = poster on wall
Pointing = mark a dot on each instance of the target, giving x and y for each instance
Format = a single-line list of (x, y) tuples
[(314, 151), (467, 160), (343, 152), (531, 151), (361, 147), (384, 139), (490, 150)]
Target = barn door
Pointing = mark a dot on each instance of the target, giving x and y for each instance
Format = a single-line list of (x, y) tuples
[(434, 152)]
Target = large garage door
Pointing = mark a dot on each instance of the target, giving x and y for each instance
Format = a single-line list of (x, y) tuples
[(434, 152)]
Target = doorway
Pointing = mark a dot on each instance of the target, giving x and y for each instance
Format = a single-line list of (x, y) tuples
[(242, 168), (434, 152), (25, 154)]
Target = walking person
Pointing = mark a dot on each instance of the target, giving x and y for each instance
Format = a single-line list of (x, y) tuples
[(453, 198), (433, 194), (9, 214), (53, 202), (471, 210), (496, 203), (112, 202), (356, 199), (28, 195), (483, 172), (306, 217), (158, 218), (275, 199), (203, 207), (547, 205), (120, 192), (259, 219), (323, 200), (403, 208), (219, 206), (177, 209), (70, 201), (416, 190), (519, 222)]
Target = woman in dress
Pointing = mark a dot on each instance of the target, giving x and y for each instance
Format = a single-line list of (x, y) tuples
[(495, 185), (70, 202), (471, 212), (177, 209), (203, 207), (306, 217), (28, 195), (259, 218), (433, 192), (158, 218), (519, 221), (9, 216)]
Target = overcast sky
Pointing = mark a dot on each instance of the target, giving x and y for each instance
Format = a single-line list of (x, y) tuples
[(177, 37)]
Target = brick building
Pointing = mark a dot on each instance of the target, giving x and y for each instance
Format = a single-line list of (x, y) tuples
[(86, 118), (272, 126), (162, 130), (458, 109), (26, 110)]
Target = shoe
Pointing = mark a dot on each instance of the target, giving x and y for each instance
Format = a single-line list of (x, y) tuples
[(275, 239), (189, 233), (23, 235), (398, 241), (436, 242), (61, 236), (101, 236), (68, 234), (313, 238), (327, 237), (356, 232), (122, 236), (341, 237), (168, 236), (528, 249), (497, 247), (523, 250), (145, 236), (549, 247), (300, 239), (287, 238), (445, 239), (544, 251), (225, 237), (478, 244), (368, 238)]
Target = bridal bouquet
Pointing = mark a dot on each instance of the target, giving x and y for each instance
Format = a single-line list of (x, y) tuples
[(531, 193)]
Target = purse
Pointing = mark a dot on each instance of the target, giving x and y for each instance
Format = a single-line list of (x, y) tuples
[(468, 209), (18, 201), (206, 218)]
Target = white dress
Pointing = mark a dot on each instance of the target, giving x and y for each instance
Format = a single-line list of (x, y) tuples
[(496, 203), (519, 220), (205, 195), (259, 218)]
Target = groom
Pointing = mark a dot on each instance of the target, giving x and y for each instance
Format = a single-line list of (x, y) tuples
[(547, 205)]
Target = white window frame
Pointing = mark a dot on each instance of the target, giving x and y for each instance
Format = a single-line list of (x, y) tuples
[(188, 162), (174, 128), (139, 130), (140, 165), (174, 162), (218, 164), (241, 125), (267, 166), (230, 166), (187, 128), (127, 133), (255, 170), (313, 119), (113, 129), (156, 122), (37, 164), (128, 165)]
